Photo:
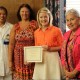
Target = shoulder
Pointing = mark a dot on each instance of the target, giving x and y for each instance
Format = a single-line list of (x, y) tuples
[(33, 21), (67, 33), (78, 32), (34, 24), (56, 30), (37, 30), (16, 26), (9, 24)]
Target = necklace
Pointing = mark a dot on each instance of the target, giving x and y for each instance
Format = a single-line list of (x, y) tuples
[(71, 36)]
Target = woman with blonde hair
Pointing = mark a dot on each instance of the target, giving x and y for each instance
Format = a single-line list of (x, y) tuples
[(50, 38)]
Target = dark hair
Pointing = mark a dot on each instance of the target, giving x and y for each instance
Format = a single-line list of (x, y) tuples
[(32, 14), (3, 8)]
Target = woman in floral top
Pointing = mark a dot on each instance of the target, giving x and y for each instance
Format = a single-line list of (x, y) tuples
[(22, 35)]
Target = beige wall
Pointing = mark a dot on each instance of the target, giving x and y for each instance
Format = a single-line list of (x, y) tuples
[(12, 7)]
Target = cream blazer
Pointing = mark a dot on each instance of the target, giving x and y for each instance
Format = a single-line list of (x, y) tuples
[(4, 40)]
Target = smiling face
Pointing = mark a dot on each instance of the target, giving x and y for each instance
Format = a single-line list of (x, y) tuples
[(44, 19), (24, 13), (72, 21), (3, 16)]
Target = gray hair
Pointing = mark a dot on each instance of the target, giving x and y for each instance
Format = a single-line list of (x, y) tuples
[(72, 11), (46, 10)]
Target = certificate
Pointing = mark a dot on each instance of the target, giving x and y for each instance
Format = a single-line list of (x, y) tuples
[(33, 54)]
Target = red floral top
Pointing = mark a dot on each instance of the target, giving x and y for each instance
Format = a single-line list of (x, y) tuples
[(23, 38)]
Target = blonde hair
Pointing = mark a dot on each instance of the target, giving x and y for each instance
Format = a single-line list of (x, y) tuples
[(46, 10), (72, 11)]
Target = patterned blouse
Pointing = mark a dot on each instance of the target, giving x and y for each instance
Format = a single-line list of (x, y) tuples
[(23, 38)]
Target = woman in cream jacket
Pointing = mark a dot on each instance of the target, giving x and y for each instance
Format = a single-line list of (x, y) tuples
[(5, 27)]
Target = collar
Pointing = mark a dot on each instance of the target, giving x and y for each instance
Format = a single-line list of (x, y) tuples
[(3, 26), (77, 33), (48, 28)]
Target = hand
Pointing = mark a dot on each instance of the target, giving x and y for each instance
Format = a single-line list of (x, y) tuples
[(27, 63), (71, 74), (67, 78), (10, 65), (45, 47)]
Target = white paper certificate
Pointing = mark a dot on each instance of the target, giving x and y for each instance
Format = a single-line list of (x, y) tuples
[(33, 54)]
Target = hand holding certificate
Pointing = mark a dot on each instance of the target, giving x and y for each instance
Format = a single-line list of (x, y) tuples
[(33, 54)]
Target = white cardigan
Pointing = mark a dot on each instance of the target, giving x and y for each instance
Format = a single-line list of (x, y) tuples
[(4, 34)]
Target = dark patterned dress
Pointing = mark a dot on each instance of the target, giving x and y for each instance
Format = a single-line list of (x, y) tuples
[(23, 38)]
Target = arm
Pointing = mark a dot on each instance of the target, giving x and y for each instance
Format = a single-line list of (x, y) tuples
[(77, 58), (59, 37), (71, 74), (34, 24), (53, 49), (76, 70), (11, 46)]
